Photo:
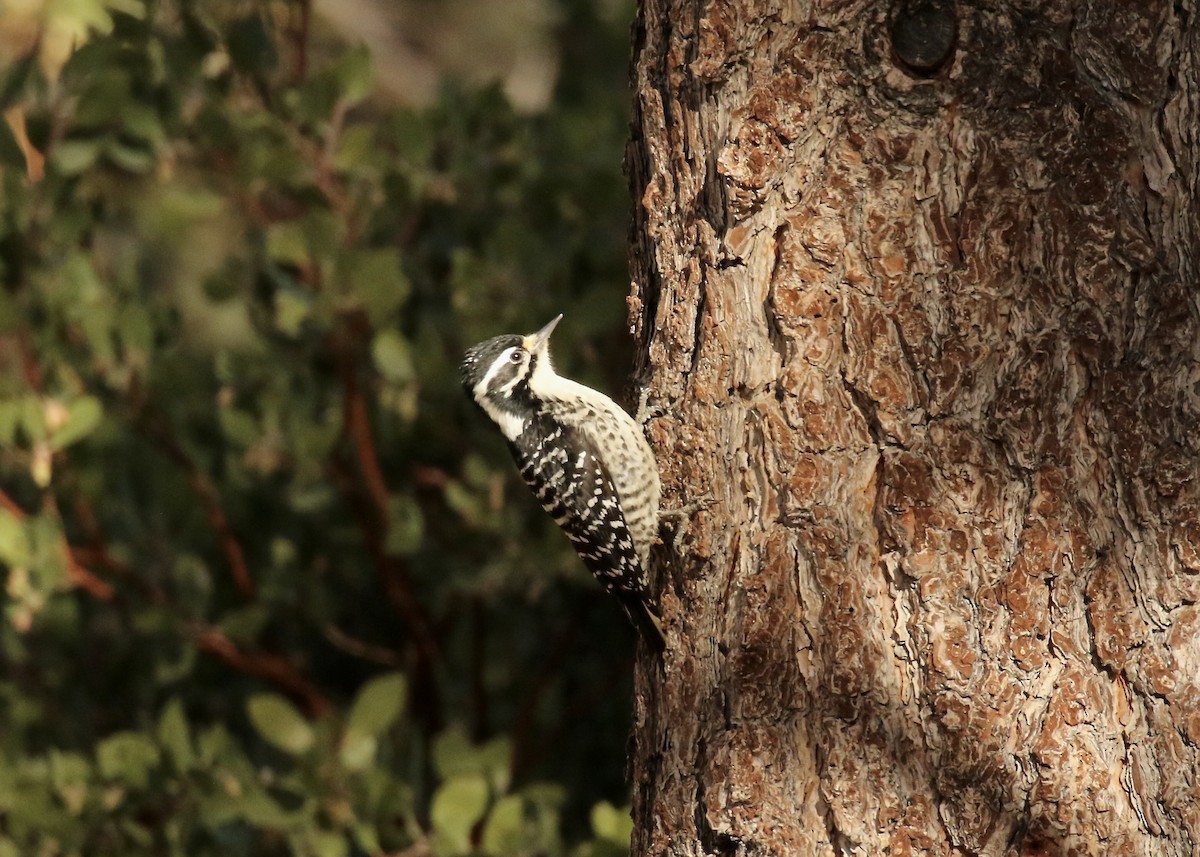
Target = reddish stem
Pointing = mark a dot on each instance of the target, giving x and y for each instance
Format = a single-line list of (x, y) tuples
[(266, 666), (210, 499)]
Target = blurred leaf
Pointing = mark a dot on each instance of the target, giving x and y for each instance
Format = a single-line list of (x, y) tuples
[(465, 502), (292, 309), (260, 809), (328, 843), (612, 824), (505, 831), (128, 757), (353, 73), (239, 426), (174, 735), (358, 751), (244, 624), (406, 525), (142, 122), (71, 775), (135, 159), (356, 149), (375, 709), (278, 721), (377, 705), (366, 837), (74, 156), (454, 754), (287, 243), (14, 542), (496, 762), (457, 806), (392, 357), (377, 276), (83, 415)]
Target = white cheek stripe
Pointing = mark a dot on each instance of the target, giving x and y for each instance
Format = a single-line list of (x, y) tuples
[(510, 424), (481, 388)]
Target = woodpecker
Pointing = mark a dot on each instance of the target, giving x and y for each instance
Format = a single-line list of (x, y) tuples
[(584, 458)]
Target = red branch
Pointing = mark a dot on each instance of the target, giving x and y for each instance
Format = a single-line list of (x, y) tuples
[(78, 576), (358, 426), (372, 513), (266, 666), (10, 505), (397, 584), (83, 579), (210, 499)]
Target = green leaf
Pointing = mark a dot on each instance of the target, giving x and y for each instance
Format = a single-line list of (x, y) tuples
[(142, 122), (83, 415), (353, 73), (261, 810), (239, 426), (374, 710), (48, 560), (357, 148), (393, 357), (357, 751), (367, 838), (495, 759), (14, 540), (406, 525), (127, 757), (70, 773), (505, 831), (243, 624), (174, 736), (328, 843), (454, 754), (467, 503), (292, 309), (135, 159), (132, 8), (377, 277), (612, 824), (75, 156), (377, 705), (457, 806), (278, 721), (215, 746), (287, 243)]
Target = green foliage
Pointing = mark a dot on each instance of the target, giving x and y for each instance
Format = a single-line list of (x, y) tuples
[(212, 796), (271, 585)]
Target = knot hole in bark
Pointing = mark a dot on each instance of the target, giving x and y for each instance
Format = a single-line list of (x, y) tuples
[(923, 34)]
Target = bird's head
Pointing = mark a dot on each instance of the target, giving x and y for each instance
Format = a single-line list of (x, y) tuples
[(497, 372)]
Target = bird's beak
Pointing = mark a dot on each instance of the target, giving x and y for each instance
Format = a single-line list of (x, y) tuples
[(537, 341)]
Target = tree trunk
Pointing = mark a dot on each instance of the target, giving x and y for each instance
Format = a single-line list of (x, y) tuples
[(917, 291)]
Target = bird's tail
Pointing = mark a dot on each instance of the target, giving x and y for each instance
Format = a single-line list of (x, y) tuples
[(648, 623)]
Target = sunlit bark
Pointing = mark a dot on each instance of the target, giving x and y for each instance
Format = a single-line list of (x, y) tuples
[(918, 294)]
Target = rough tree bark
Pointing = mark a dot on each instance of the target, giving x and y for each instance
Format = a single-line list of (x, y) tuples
[(917, 289)]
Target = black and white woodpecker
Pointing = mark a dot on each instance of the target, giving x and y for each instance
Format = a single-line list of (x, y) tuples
[(585, 459)]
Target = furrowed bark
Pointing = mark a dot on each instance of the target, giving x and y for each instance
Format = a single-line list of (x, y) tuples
[(917, 292)]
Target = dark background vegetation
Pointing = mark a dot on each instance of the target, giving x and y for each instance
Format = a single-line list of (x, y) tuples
[(272, 586)]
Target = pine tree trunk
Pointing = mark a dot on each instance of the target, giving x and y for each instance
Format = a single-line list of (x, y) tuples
[(918, 293)]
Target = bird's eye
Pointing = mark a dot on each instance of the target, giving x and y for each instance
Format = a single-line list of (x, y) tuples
[(516, 355)]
